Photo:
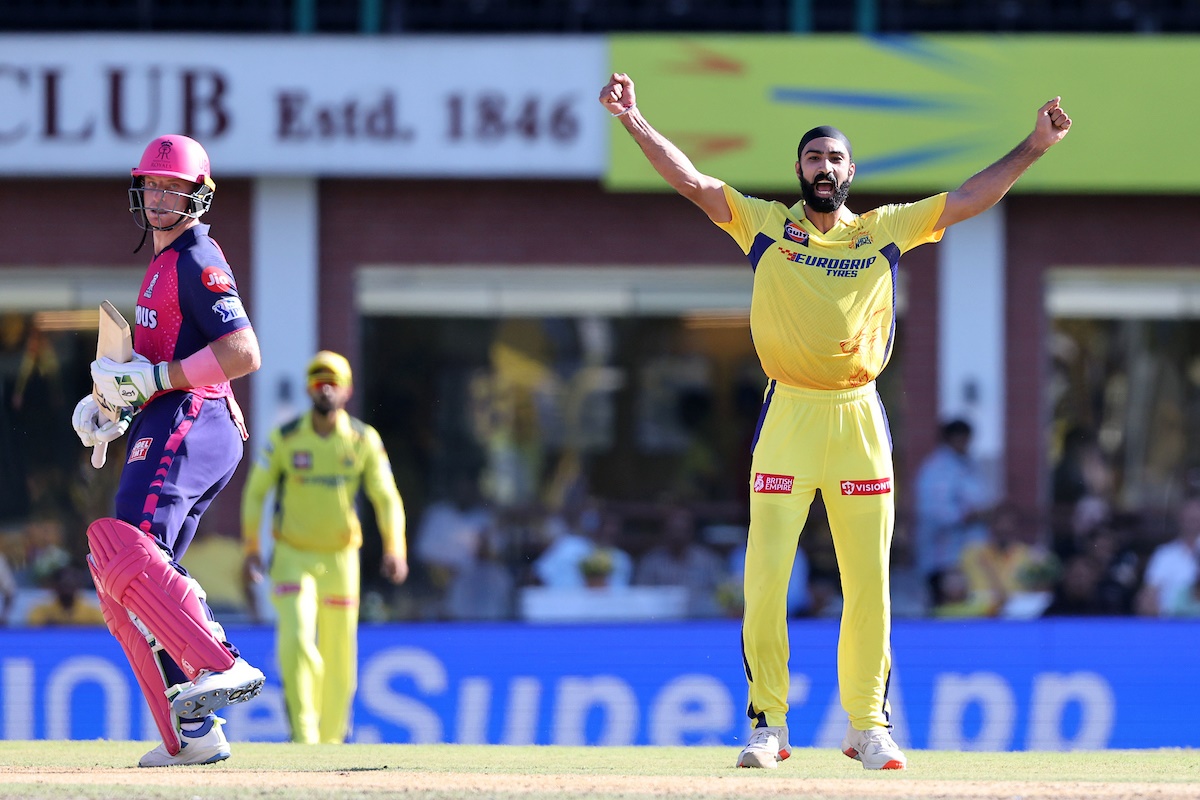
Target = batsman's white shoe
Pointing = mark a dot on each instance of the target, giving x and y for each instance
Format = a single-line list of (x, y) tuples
[(766, 748), (205, 745), (213, 691), (874, 748)]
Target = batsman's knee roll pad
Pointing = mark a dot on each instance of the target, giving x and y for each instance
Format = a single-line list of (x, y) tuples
[(134, 571)]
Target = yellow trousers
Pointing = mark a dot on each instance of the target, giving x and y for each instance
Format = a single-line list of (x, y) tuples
[(838, 442), (316, 637)]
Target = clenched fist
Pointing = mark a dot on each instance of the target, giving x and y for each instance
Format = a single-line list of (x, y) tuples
[(618, 95)]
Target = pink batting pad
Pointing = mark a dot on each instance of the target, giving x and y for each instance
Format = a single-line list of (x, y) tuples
[(132, 569)]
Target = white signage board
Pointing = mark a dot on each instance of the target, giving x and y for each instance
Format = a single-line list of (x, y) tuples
[(429, 106)]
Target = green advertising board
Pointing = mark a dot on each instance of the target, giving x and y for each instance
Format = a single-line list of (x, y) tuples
[(923, 113)]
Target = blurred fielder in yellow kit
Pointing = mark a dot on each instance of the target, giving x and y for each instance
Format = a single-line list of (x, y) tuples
[(822, 318), (316, 465)]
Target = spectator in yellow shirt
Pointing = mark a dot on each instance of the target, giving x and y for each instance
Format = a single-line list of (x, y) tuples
[(66, 608), (1006, 566)]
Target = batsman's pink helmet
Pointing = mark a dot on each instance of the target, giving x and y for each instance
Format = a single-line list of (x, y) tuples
[(176, 157), (179, 157)]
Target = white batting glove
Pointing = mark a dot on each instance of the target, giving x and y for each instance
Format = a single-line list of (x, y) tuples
[(94, 428), (129, 384)]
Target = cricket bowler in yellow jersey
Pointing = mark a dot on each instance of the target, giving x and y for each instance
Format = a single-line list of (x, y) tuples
[(822, 317)]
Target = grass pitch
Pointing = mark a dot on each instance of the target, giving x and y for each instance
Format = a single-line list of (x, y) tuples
[(101, 770)]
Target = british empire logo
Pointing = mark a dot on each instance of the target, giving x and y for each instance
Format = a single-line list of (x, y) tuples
[(765, 483)]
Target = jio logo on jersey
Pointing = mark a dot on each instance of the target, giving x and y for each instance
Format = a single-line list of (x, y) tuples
[(217, 280)]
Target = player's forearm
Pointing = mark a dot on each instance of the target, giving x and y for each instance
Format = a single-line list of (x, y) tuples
[(394, 540), (984, 189), (668, 160), (223, 360), (254, 496), (389, 514), (250, 538), (396, 543)]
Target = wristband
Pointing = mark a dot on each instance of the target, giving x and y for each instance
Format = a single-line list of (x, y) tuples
[(162, 376), (201, 368), (627, 109)]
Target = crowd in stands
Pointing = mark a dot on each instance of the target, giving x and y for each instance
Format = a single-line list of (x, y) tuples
[(987, 558), (41, 583), (963, 554), (960, 552)]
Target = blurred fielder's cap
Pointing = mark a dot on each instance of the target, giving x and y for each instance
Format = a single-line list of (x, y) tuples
[(329, 367)]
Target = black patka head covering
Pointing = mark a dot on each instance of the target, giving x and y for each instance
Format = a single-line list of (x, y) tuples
[(822, 132)]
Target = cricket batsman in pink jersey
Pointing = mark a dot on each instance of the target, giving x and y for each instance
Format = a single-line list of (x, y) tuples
[(186, 433)]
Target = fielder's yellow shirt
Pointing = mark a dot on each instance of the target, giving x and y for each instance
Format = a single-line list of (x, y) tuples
[(316, 480), (823, 311)]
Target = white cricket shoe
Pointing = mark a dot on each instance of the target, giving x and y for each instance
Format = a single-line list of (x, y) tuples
[(205, 745), (874, 748), (213, 691), (767, 747)]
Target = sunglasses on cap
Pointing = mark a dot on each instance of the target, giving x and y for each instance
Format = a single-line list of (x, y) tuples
[(325, 379)]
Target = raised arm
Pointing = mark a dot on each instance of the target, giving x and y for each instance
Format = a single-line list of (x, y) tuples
[(984, 189), (667, 159)]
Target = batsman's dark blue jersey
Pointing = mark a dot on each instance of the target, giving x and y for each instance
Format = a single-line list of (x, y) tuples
[(188, 299)]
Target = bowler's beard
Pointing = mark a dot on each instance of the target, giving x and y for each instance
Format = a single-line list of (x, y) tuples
[(824, 205), (324, 405)]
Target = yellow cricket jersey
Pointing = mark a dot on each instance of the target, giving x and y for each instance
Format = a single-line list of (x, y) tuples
[(823, 310), (316, 480)]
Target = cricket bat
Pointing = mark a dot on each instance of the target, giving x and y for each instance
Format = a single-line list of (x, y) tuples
[(114, 340)]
